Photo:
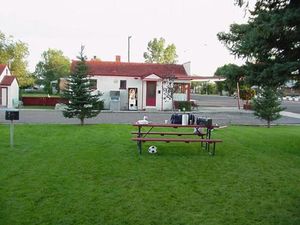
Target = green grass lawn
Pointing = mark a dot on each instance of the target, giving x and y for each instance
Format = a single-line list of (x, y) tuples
[(67, 174)]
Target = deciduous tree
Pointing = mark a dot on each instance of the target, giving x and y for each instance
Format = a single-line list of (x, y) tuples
[(158, 53), (233, 74), (53, 66), (14, 54)]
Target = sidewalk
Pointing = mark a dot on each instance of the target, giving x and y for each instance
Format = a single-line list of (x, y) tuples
[(290, 114)]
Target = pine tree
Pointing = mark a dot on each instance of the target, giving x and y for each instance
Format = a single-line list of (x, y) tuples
[(82, 103), (267, 106), (269, 42)]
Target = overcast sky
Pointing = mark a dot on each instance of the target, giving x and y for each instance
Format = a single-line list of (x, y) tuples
[(104, 26)]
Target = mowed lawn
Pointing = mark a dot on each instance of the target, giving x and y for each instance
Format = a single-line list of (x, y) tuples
[(67, 174)]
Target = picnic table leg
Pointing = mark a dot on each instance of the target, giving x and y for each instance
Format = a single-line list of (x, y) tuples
[(214, 149), (207, 137), (139, 143), (208, 147), (140, 147), (212, 152)]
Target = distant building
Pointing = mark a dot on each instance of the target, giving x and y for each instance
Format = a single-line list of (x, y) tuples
[(138, 86), (9, 88)]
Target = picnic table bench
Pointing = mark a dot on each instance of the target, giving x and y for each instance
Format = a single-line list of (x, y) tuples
[(205, 137)]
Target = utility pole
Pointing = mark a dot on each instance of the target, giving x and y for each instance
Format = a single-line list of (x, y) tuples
[(238, 94), (129, 37), (238, 91)]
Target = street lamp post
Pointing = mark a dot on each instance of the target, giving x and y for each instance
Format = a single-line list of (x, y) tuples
[(129, 37)]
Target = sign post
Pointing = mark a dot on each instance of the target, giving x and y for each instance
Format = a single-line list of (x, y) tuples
[(11, 133), (12, 115)]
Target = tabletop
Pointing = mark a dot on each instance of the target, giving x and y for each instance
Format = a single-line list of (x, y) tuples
[(172, 125)]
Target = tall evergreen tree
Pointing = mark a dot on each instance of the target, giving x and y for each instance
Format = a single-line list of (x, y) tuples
[(267, 106), (269, 42), (82, 103)]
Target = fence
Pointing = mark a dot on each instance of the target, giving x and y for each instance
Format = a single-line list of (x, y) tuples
[(43, 101)]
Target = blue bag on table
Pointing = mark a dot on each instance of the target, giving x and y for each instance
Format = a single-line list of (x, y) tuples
[(176, 119), (206, 122)]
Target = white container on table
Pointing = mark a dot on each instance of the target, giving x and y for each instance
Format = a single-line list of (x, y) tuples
[(185, 119)]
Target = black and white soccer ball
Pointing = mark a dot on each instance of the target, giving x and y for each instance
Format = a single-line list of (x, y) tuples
[(152, 149)]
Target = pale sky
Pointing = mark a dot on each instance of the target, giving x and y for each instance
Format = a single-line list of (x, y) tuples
[(104, 26)]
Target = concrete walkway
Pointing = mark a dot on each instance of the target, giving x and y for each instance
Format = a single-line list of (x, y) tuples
[(290, 114)]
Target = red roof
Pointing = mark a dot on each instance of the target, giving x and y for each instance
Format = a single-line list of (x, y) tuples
[(2, 67), (7, 80), (142, 70)]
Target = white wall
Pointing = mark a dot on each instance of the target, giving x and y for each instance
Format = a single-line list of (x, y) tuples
[(187, 67), (105, 84), (13, 93), (4, 72), (112, 83)]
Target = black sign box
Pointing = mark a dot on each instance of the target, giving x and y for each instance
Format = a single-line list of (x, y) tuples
[(12, 115)]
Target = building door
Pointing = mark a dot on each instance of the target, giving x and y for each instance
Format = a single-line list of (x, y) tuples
[(4, 96), (151, 93)]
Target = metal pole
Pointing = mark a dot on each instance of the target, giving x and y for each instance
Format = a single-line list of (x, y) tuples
[(129, 48), (238, 94), (11, 133)]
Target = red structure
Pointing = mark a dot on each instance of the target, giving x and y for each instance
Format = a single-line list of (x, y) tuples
[(44, 101)]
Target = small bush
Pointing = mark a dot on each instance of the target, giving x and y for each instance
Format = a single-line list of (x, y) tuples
[(247, 93), (183, 105)]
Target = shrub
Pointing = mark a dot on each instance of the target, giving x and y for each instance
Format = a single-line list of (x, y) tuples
[(183, 105), (247, 94), (267, 106)]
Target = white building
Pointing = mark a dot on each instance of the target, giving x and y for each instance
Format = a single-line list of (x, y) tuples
[(138, 86), (9, 88)]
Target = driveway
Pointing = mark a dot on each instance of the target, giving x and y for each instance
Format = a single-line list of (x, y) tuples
[(225, 101)]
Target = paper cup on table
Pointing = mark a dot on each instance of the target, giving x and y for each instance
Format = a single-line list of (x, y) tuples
[(166, 121), (185, 119)]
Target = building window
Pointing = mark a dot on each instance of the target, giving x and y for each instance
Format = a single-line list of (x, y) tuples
[(93, 83), (180, 88), (122, 84)]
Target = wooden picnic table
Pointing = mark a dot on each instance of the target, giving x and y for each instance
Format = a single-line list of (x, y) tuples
[(204, 137)]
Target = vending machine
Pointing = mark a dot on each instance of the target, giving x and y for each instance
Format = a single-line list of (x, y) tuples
[(132, 99)]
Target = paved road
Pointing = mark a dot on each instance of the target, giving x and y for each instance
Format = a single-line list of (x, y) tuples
[(222, 110), (220, 115), (225, 101)]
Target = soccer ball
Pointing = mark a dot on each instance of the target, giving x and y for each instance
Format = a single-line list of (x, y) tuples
[(152, 149)]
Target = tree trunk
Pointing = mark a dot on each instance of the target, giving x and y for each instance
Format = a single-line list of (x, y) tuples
[(269, 122), (81, 121)]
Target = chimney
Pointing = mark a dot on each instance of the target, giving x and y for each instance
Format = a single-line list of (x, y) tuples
[(118, 58)]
